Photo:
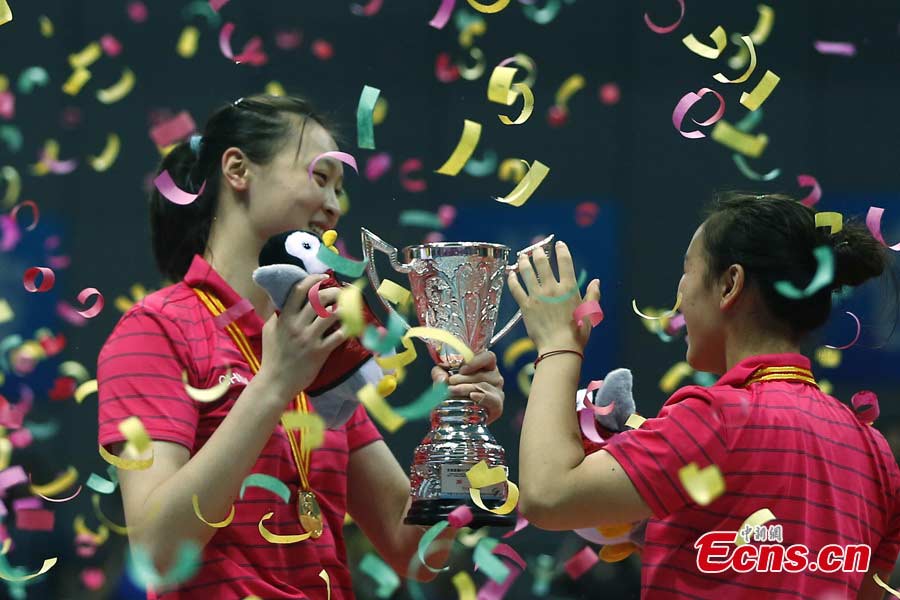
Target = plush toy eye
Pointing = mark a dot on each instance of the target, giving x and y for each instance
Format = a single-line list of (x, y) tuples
[(307, 246)]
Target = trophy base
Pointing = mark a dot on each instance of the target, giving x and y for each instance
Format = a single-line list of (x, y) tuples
[(429, 512)]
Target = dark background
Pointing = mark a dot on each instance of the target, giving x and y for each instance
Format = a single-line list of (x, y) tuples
[(832, 117)]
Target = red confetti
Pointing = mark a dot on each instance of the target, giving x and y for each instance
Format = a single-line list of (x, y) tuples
[(111, 46), (93, 579), (610, 93), (31, 275), (63, 388), (444, 69), (582, 562), (322, 50), (586, 213), (173, 130), (288, 40), (557, 116), (137, 12), (35, 520), (94, 310)]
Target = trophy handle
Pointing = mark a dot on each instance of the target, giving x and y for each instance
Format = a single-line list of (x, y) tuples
[(371, 243), (514, 268)]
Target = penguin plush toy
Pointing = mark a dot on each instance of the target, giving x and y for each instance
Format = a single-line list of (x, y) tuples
[(285, 260)]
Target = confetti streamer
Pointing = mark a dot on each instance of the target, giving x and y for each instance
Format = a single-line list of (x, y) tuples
[(421, 218), (173, 130), (873, 223), (138, 441), (426, 540), (865, 405), (369, 10), (251, 53), (171, 192), (365, 130), (491, 8), (11, 136), (274, 538), (835, 48), (487, 562), (48, 278), (702, 485), (268, 483), (480, 476), (186, 563), (527, 106), (398, 360), (94, 310), (666, 315), (482, 167), (57, 486), (689, 100), (763, 515), (76, 81), (465, 587), (118, 90), (824, 275), (386, 579), (752, 67), (460, 516), (412, 165), (208, 394), (350, 310), (572, 85), (833, 220), (195, 501), (444, 337), (341, 156), (746, 144), (36, 214), (379, 409), (5, 15), (111, 46), (377, 165), (87, 56), (500, 84), (581, 562), (718, 36), (312, 425), (341, 265), (49, 563), (421, 407), (590, 310), (667, 28), (764, 24), (855, 338), (464, 149), (394, 293), (749, 173), (102, 485), (670, 380), (217, 5), (84, 390), (32, 77), (108, 156), (527, 186), (443, 14), (815, 194), (761, 92), (545, 14)]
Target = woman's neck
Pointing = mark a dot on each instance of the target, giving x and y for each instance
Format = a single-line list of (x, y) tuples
[(741, 347), (234, 254)]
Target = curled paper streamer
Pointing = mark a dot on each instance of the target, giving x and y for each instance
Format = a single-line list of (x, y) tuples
[(515, 350), (381, 341), (251, 52), (412, 185), (763, 515), (581, 562), (312, 427), (815, 194), (526, 187), (208, 394), (421, 218), (491, 8), (350, 311), (589, 309), (36, 214), (500, 84), (234, 312), (274, 538), (702, 485), (764, 24), (838, 48), (57, 486), (504, 509), (482, 167), (425, 541), (380, 410), (865, 405), (369, 10), (341, 265), (269, 483), (173, 130), (746, 75), (855, 338), (398, 360), (685, 104), (464, 149), (422, 406), (749, 173), (394, 293), (487, 562), (443, 14), (386, 580), (31, 77), (527, 106), (195, 501), (569, 87), (313, 297), (667, 28), (670, 313), (465, 587), (673, 376), (377, 165), (84, 390), (718, 36), (444, 337), (873, 222), (833, 220), (118, 90), (49, 563), (761, 92), (108, 156), (95, 310), (101, 485), (47, 280), (114, 527), (589, 425), (344, 157), (138, 440), (5, 17), (365, 129), (13, 184), (460, 516), (171, 192), (823, 276), (111, 46), (186, 563), (526, 63), (737, 140)]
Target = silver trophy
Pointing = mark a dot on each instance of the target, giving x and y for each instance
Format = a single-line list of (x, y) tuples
[(456, 286)]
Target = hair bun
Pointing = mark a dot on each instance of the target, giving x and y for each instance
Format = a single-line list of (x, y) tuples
[(858, 256)]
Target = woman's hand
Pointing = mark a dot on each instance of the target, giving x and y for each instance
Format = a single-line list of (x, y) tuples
[(549, 323), (478, 379), (296, 343)]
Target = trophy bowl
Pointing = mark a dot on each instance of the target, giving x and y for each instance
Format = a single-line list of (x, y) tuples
[(456, 287)]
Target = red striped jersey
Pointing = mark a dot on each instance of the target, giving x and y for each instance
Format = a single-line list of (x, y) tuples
[(139, 373), (786, 446)]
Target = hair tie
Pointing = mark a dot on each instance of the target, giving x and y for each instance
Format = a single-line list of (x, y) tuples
[(195, 142)]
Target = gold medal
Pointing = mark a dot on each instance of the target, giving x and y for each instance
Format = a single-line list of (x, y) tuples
[(310, 514)]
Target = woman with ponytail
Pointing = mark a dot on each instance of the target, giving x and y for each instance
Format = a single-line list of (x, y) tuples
[(278, 534), (764, 436)]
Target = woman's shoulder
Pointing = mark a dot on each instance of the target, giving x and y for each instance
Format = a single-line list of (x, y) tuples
[(173, 311)]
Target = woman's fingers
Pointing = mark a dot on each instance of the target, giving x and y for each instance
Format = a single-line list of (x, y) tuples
[(566, 267), (516, 290), (527, 273), (483, 361), (543, 269), (438, 374)]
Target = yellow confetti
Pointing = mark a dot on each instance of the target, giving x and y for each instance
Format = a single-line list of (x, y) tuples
[(444, 337), (379, 113), (617, 552), (674, 375), (208, 394), (350, 311), (763, 515), (58, 485), (49, 562), (833, 220), (635, 421), (394, 293), (380, 410), (5, 12), (825, 386), (517, 349), (721, 78), (6, 449), (480, 476), (718, 36), (761, 92), (500, 85), (7, 544), (195, 501), (273, 88), (86, 57), (75, 370), (702, 485), (764, 24), (274, 538), (76, 81), (464, 149), (85, 389), (468, 33), (477, 70), (46, 26), (527, 106), (138, 442), (737, 140), (527, 186), (327, 580), (512, 169), (525, 377), (402, 359), (829, 358), (118, 90), (671, 313), (462, 581), (491, 8), (99, 537), (885, 586), (569, 87), (4, 82), (312, 426), (188, 42), (6, 311), (109, 155), (98, 512)]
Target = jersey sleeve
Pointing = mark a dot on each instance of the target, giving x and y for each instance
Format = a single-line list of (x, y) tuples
[(139, 373), (688, 431), (361, 431)]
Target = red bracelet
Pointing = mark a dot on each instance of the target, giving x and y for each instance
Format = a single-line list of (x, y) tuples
[(554, 352)]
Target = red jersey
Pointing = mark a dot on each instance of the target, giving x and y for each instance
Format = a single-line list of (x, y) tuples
[(782, 445), (139, 373)]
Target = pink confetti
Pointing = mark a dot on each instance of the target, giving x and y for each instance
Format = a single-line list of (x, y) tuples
[(865, 405), (7, 105), (589, 426), (838, 48), (94, 310), (69, 314), (322, 49), (10, 235), (314, 301), (172, 192), (217, 5), (173, 130), (58, 263), (344, 157), (35, 213), (35, 520), (668, 28), (521, 523), (815, 195), (412, 165), (111, 46), (21, 438), (685, 104), (582, 562), (288, 40), (29, 503), (251, 54), (492, 590), (873, 222), (610, 93), (460, 516), (93, 579), (12, 476), (447, 214), (590, 309), (234, 313), (369, 10), (31, 275), (586, 214), (855, 338), (377, 165), (443, 14), (675, 324), (137, 12)]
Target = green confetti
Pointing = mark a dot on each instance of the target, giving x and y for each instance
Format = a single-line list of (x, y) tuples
[(824, 275), (42, 431), (341, 265), (365, 129), (750, 121), (374, 341), (12, 137), (201, 8), (488, 562), (421, 218), (142, 570), (426, 540), (545, 14), (384, 576), (422, 406), (101, 485), (748, 172), (267, 482), (482, 167), (558, 299), (31, 77)]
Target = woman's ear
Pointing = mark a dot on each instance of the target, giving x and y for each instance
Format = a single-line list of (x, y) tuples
[(731, 285), (235, 169)]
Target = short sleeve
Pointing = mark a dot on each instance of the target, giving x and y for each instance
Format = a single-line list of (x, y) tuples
[(885, 555), (139, 373), (688, 431), (361, 431)]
